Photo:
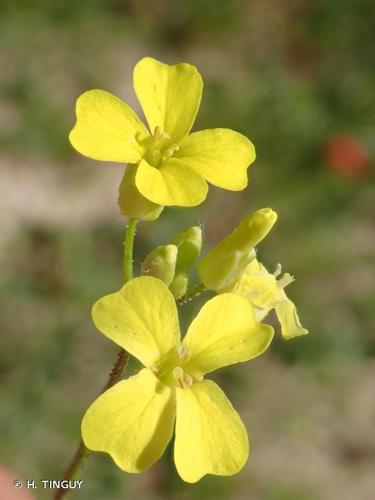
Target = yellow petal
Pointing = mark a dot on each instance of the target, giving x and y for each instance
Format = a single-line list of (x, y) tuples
[(225, 332), (169, 95), (171, 184), (132, 421), (141, 318), (220, 155), (261, 289), (107, 128), (210, 436), (287, 315)]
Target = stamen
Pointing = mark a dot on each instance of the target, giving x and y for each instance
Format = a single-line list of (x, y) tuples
[(154, 369), (277, 271), (168, 153), (285, 280), (187, 381), (184, 379), (178, 372), (183, 354), (158, 132), (182, 383)]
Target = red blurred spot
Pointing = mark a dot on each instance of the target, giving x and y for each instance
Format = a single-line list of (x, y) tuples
[(346, 156)]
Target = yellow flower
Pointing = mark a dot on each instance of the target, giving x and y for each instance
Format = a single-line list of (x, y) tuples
[(134, 420), (227, 259), (172, 165), (265, 292)]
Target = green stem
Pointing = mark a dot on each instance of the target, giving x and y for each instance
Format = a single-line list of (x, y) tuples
[(81, 454), (131, 229)]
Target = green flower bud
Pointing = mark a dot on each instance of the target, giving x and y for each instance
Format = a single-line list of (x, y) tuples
[(189, 243), (226, 261), (132, 203), (161, 263), (179, 285)]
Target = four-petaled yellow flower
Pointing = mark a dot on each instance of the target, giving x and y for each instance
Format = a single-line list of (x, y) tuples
[(172, 165), (134, 420)]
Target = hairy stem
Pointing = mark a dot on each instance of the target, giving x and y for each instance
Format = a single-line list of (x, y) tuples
[(81, 454), (131, 229)]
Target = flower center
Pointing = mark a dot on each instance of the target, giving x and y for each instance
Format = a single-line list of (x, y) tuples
[(184, 379), (160, 148), (173, 369)]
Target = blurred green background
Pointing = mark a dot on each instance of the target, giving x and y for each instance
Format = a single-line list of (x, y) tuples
[(294, 76)]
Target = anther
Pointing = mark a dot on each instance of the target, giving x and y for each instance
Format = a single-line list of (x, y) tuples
[(168, 153), (183, 353), (186, 381), (178, 372), (158, 132)]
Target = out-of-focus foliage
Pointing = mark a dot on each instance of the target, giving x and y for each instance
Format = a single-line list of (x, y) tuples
[(291, 75)]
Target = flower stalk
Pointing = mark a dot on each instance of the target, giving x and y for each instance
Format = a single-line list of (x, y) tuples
[(81, 454), (130, 232)]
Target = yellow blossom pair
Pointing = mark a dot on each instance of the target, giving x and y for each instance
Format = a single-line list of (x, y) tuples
[(170, 166), (134, 420)]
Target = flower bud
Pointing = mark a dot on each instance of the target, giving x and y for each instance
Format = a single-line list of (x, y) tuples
[(189, 243), (179, 285), (161, 263), (132, 203), (226, 261)]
